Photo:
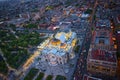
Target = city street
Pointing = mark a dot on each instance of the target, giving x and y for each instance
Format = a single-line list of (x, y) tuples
[(72, 39), (81, 68)]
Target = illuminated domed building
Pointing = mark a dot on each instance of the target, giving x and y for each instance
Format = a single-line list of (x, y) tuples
[(55, 42), (59, 48)]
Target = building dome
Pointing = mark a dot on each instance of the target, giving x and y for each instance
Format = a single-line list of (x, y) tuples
[(63, 45), (55, 42)]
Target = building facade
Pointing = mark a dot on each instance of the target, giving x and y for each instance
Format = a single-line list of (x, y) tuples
[(58, 49), (102, 55)]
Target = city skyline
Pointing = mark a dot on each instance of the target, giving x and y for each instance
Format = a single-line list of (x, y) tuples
[(59, 40)]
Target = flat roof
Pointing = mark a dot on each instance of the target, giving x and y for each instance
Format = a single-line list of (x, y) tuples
[(86, 77), (103, 23), (102, 36), (103, 55), (102, 39)]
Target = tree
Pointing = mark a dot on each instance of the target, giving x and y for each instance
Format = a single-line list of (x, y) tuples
[(49, 77), (3, 67), (77, 48), (31, 26), (59, 77), (88, 11), (31, 74), (40, 76)]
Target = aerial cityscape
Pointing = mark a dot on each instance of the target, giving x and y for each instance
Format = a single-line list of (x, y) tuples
[(59, 39)]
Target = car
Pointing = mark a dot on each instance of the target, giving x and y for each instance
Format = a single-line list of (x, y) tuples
[(84, 50), (81, 53)]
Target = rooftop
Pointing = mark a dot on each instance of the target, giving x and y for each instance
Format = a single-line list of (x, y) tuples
[(103, 55), (64, 25), (61, 43), (103, 23), (102, 36), (86, 77)]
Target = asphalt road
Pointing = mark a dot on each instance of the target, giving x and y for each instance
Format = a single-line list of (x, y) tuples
[(81, 67)]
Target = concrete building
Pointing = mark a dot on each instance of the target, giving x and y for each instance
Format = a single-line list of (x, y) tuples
[(103, 24), (102, 55), (86, 77), (102, 61), (102, 39)]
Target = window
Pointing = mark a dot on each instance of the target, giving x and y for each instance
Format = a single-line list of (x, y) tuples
[(60, 62), (108, 70)]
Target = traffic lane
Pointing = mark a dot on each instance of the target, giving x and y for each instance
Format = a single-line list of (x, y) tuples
[(87, 45), (83, 60), (81, 68)]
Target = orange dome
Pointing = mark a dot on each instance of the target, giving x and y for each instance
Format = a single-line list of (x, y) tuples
[(55, 42)]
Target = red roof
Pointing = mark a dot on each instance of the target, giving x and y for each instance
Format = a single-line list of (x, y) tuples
[(103, 55), (102, 33), (43, 25)]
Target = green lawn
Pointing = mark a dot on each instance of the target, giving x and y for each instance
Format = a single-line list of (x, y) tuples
[(77, 48), (29, 26), (40, 76), (31, 74), (59, 77), (15, 49), (88, 11), (49, 77), (3, 67)]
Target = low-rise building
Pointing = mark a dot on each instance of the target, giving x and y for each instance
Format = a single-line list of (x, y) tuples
[(86, 77), (102, 39), (102, 61), (103, 24), (67, 11), (18, 22), (64, 25)]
